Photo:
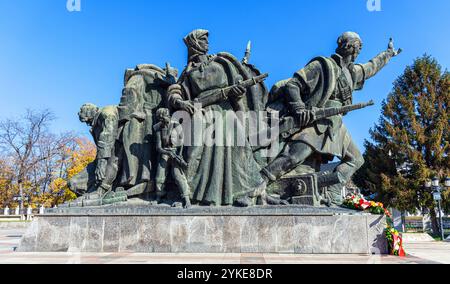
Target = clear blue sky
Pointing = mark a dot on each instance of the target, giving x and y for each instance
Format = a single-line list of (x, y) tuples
[(50, 58)]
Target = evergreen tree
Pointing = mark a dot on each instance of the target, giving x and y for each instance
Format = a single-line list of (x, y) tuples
[(411, 142)]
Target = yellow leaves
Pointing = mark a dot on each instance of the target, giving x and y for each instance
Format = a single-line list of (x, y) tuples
[(83, 155), (58, 185), (58, 191), (7, 188)]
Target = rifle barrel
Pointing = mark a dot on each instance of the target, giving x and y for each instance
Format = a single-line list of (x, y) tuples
[(328, 112), (222, 94), (253, 81)]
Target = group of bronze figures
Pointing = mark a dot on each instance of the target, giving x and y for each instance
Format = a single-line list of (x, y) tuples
[(138, 159)]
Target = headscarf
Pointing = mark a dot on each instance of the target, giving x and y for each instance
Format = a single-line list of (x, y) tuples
[(192, 42)]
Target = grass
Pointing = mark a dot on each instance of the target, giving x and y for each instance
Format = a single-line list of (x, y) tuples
[(437, 237), (414, 218)]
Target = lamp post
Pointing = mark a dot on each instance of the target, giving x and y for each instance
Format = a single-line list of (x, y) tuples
[(21, 199), (436, 188)]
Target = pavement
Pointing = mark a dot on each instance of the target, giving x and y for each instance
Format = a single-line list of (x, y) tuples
[(418, 253), (438, 252)]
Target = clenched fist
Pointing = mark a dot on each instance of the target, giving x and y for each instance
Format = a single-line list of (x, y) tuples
[(100, 171), (237, 92), (305, 117), (186, 106)]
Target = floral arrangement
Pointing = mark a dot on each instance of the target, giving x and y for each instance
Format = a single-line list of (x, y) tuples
[(395, 241), (358, 202)]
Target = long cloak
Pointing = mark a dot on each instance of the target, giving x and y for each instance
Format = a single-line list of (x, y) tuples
[(141, 97), (217, 175)]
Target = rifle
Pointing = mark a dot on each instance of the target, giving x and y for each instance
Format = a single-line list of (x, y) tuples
[(179, 160), (222, 94), (289, 125)]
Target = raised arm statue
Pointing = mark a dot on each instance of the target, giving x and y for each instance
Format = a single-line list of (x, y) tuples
[(326, 82)]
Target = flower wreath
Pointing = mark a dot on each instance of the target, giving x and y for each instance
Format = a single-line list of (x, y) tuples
[(395, 241)]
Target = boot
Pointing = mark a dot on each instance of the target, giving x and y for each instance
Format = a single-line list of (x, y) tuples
[(159, 193), (251, 198), (335, 194), (187, 202)]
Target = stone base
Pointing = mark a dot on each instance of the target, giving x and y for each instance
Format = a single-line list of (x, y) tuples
[(287, 229)]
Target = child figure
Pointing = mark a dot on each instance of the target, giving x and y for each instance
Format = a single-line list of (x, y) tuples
[(168, 157)]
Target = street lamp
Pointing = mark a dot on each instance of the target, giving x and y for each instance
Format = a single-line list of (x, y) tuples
[(435, 182), (21, 199), (447, 182), (436, 188)]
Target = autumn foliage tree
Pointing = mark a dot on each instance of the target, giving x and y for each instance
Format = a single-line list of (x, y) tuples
[(7, 188), (411, 141), (36, 163), (76, 161)]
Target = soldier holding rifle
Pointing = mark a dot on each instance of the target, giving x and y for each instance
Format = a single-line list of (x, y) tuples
[(169, 157), (218, 175), (325, 83)]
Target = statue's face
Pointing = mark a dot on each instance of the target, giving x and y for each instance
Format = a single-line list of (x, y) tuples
[(164, 119), (356, 50), (352, 50), (349, 46), (86, 115), (204, 42)]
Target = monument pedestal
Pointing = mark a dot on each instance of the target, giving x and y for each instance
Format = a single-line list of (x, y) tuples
[(144, 229)]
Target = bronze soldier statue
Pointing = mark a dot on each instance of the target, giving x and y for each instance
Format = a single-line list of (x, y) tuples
[(218, 175), (144, 92), (311, 105), (101, 174), (170, 155), (325, 83)]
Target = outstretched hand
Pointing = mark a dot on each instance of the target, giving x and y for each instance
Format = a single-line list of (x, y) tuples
[(392, 50)]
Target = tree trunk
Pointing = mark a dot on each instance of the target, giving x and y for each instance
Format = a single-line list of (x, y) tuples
[(434, 222), (21, 195)]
